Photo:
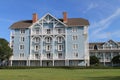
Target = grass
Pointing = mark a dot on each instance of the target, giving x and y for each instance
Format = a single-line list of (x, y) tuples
[(59, 74)]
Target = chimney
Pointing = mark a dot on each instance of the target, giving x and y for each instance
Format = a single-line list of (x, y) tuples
[(65, 17), (35, 17)]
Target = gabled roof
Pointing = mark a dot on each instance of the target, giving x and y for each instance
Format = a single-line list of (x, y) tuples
[(21, 24), (102, 43), (77, 22), (71, 22)]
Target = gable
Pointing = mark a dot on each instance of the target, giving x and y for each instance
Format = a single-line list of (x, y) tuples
[(110, 43), (49, 21)]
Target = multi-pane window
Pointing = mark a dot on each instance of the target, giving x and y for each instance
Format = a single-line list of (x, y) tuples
[(37, 31), (21, 47), (59, 55), (48, 40), (76, 54), (75, 37), (59, 31), (75, 46), (48, 31), (48, 55), (22, 39), (22, 31), (21, 55), (74, 29), (37, 39), (37, 56), (48, 47), (60, 39), (37, 47), (60, 47)]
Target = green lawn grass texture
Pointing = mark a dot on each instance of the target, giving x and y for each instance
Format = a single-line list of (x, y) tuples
[(59, 74)]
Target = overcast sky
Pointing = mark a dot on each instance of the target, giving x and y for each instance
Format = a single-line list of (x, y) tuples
[(103, 15)]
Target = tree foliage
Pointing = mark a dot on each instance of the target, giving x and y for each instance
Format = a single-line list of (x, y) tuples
[(116, 59), (5, 50), (94, 60)]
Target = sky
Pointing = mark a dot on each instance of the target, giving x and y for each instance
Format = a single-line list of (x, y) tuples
[(103, 15)]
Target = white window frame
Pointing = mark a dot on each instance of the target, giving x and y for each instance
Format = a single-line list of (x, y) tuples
[(60, 47), (48, 55), (36, 55), (60, 55), (48, 47), (37, 47), (37, 39), (22, 39), (60, 39), (48, 39), (76, 54), (74, 29), (21, 47), (74, 37), (22, 31), (75, 46), (21, 55), (37, 31), (48, 31)]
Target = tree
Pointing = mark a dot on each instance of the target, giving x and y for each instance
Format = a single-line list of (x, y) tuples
[(5, 51), (116, 60), (94, 60)]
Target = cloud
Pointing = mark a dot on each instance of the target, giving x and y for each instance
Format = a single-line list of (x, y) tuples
[(98, 28), (91, 6)]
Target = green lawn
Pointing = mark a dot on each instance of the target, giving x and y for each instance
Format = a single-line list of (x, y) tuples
[(60, 74)]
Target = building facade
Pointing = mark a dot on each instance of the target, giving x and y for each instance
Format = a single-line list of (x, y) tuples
[(105, 51), (50, 41)]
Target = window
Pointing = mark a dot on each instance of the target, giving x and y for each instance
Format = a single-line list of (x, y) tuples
[(95, 47), (74, 29), (37, 39), (75, 54), (37, 56), (59, 55), (75, 37), (60, 39), (22, 39), (59, 31), (48, 40), (60, 47), (48, 31), (22, 31), (75, 46), (48, 55), (48, 47), (37, 31), (21, 47), (21, 55), (36, 47)]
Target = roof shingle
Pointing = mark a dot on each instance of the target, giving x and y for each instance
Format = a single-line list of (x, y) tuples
[(71, 22)]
